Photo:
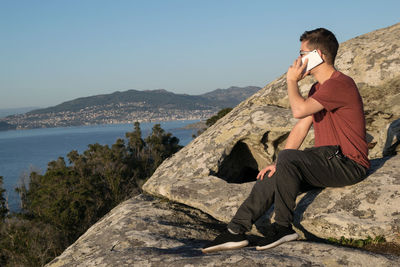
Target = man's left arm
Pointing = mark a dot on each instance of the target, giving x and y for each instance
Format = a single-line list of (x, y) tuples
[(301, 107)]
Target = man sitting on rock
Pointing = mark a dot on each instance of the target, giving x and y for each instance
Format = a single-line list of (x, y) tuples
[(339, 158)]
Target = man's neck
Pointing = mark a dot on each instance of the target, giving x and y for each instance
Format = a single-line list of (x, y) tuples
[(323, 73)]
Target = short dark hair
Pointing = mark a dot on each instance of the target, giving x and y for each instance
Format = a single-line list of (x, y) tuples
[(323, 40)]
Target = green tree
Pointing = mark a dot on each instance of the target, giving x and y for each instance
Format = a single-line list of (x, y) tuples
[(211, 121), (161, 145), (135, 142), (68, 199), (26, 242), (61, 198), (3, 203), (139, 158)]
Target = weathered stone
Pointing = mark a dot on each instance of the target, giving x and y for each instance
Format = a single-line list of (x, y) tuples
[(381, 108), (214, 172), (370, 208), (148, 232)]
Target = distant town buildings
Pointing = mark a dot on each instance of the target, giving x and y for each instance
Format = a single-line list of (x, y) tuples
[(122, 113)]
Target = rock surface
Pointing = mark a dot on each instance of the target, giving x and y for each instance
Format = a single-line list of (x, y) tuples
[(214, 172), (370, 208), (149, 232)]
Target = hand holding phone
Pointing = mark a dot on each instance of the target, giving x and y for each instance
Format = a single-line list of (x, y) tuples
[(314, 60)]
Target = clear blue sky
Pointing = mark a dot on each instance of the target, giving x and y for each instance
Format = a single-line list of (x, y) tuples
[(52, 51)]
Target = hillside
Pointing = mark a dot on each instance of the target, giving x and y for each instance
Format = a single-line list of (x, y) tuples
[(158, 99), (150, 98), (232, 96), (130, 106)]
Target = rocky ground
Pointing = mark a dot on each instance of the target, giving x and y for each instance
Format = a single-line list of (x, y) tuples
[(146, 231)]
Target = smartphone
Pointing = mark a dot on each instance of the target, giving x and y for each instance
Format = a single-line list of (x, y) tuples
[(313, 60)]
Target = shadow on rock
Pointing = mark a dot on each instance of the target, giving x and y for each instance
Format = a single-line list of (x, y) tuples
[(264, 223), (190, 248), (376, 164), (301, 207)]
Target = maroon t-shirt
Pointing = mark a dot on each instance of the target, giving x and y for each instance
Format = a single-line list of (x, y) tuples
[(342, 120)]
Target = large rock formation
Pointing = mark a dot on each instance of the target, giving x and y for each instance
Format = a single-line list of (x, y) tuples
[(148, 232), (214, 172)]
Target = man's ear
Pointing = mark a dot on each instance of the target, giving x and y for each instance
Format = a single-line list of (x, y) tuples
[(321, 55)]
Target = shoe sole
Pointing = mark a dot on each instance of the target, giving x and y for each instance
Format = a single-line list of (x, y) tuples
[(286, 238), (226, 246)]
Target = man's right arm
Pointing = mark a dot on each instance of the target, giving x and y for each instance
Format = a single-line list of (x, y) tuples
[(294, 141), (298, 133)]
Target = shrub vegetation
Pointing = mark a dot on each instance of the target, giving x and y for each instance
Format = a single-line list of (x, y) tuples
[(61, 204)]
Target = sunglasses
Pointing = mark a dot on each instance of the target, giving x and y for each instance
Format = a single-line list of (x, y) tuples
[(302, 53)]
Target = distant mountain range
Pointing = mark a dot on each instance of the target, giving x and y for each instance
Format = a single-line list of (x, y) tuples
[(130, 106), (160, 98)]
